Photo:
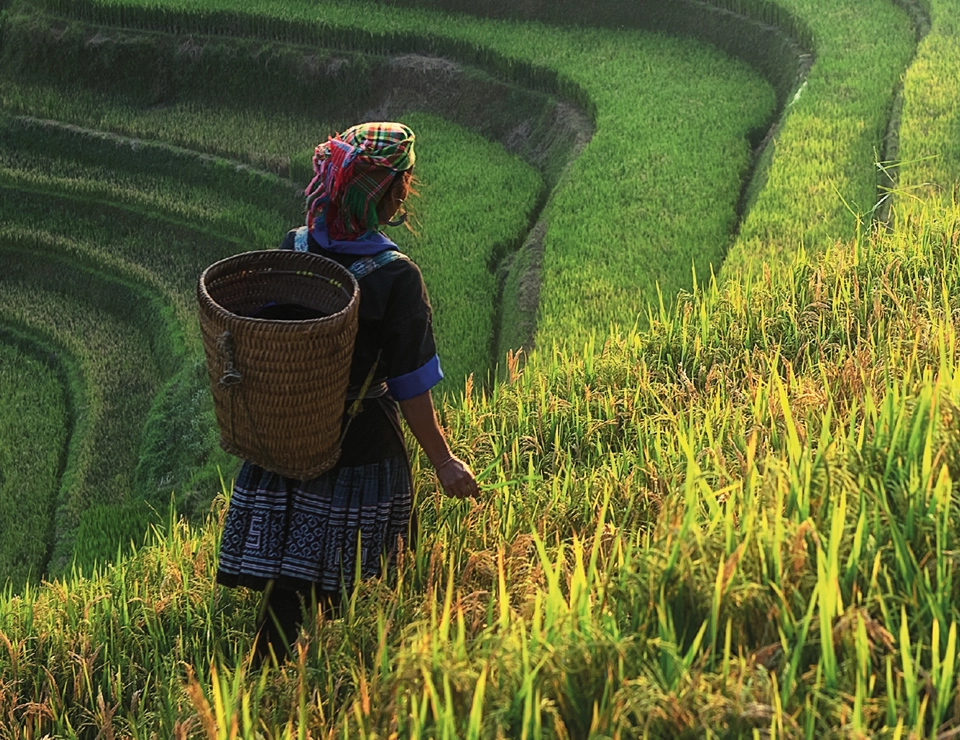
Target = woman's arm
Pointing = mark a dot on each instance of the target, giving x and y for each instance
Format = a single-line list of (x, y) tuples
[(454, 475)]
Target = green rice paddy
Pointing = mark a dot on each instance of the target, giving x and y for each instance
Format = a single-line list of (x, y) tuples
[(713, 508), (35, 427)]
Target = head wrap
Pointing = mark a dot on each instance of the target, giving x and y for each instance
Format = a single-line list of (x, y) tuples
[(353, 171)]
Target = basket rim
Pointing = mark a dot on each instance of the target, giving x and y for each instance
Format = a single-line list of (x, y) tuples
[(207, 300)]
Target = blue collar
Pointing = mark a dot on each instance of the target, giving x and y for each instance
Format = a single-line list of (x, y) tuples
[(369, 244)]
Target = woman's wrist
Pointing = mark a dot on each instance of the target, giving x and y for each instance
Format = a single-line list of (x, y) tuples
[(437, 466)]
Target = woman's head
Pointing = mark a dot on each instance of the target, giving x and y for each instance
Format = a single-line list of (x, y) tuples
[(362, 178)]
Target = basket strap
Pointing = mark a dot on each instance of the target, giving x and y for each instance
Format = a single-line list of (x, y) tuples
[(363, 266), (358, 399), (375, 391), (300, 240)]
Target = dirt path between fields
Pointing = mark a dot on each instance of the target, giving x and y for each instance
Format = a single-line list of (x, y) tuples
[(889, 164)]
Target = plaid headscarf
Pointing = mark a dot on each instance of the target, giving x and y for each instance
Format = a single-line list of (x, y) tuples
[(353, 171)]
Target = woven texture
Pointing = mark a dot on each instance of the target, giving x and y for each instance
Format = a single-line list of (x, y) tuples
[(279, 387)]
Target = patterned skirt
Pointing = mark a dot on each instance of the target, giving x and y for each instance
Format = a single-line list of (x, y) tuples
[(308, 534)]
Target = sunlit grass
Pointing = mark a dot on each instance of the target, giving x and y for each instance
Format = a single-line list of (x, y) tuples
[(822, 182), (739, 519), (931, 114), (738, 522)]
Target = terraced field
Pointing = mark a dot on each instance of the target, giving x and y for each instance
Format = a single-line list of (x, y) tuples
[(147, 185), (713, 508), (35, 427), (158, 235)]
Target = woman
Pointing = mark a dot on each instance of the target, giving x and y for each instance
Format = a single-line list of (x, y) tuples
[(299, 541)]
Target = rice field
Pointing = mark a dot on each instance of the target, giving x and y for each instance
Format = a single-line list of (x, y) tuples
[(930, 133), (111, 347), (823, 182), (677, 541), (730, 513), (472, 210), (35, 427), (155, 217), (653, 98)]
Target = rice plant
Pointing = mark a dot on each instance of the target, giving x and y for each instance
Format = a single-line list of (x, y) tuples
[(676, 540), (735, 521), (34, 427)]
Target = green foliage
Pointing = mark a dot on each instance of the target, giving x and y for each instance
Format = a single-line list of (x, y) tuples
[(125, 335), (668, 111), (763, 34), (471, 209), (154, 70), (739, 519), (110, 531), (205, 194), (930, 133), (179, 450), (822, 183), (107, 332), (34, 431), (213, 101)]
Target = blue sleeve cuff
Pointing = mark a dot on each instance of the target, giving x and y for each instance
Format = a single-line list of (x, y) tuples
[(419, 381)]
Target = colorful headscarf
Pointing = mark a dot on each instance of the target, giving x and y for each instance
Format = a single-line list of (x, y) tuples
[(353, 171)]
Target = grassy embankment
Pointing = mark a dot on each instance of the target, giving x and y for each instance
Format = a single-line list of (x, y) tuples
[(822, 182), (110, 335), (34, 424), (107, 280), (930, 150)]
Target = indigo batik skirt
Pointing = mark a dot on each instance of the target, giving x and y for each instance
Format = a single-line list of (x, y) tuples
[(308, 534)]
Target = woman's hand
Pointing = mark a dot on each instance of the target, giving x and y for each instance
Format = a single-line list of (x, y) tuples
[(454, 474), (457, 479)]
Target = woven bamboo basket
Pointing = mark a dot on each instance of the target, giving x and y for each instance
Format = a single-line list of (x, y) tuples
[(279, 387)]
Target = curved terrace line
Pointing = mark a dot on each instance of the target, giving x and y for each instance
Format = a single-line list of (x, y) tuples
[(130, 208), (47, 350), (680, 17), (238, 24), (136, 144), (548, 134), (761, 14), (165, 343), (787, 78)]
